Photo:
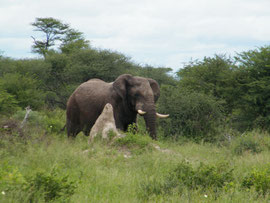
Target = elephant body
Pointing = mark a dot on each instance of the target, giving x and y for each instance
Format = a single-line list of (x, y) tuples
[(127, 95)]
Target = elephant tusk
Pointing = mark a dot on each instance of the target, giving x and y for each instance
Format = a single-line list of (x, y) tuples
[(162, 115), (141, 112)]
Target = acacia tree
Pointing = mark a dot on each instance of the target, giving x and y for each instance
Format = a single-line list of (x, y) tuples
[(55, 31), (73, 40)]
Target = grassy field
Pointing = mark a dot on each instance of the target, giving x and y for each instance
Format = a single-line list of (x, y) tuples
[(42, 166)]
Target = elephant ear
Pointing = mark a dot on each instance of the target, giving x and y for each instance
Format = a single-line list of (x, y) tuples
[(121, 83), (155, 87)]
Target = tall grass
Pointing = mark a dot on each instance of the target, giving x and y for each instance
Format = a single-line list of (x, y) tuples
[(45, 166)]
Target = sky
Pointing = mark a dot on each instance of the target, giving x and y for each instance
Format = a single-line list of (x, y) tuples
[(160, 33)]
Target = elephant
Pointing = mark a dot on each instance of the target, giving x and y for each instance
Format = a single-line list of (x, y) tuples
[(129, 95)]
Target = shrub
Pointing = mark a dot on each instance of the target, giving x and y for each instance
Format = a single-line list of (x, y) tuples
[(8, 103), (51, 186), (24, 89), (203, 178), (193, 115), (54, 120), (41, 187), (135, 140), (247, 142), (259, 180), (34, 117), (10, 176), (51, 121)]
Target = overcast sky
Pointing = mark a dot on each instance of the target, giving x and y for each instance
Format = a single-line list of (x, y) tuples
[(166, 33)]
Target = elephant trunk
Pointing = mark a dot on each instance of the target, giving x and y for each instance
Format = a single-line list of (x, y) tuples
[(150, 120)]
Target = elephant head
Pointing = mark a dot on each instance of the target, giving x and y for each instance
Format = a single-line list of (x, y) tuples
[(140, 95)]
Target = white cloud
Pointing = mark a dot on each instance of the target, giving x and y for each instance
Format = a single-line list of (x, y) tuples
[(157, 32)]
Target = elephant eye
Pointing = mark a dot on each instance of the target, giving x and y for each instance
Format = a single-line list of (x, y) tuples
[(137, 95)]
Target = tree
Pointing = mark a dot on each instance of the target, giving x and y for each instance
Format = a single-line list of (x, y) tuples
[(72, 41), (212, 76), (161, 75), (56, 31), (255, 83), (21, 90), (53, 30), (192, 114), (8, 103)]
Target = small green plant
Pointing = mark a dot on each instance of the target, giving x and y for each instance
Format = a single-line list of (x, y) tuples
[(51, 186), (111, 135), (134, 139), (10, 176), (54, 120), (259, 180)]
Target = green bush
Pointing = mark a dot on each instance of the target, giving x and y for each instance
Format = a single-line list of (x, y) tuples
[(9, 177), (41, 187), (258, 180), (24, 89), (8, 103), (51, 186), (34, 117), (203, 178), (54, 120), (193, 115), (134, 140), (51, 121), (246, 143)]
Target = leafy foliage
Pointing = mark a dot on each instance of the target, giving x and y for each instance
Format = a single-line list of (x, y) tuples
[(246, 143), (254, 82), (216, 91), (211, 76), (24, 90), (259, 180), (51, 186), (53, 30), (73, 41), (135, 140), (8, 103), (40, 186), (204, 178), (161, 75), (192, 114), (50, 168), (56, 31)]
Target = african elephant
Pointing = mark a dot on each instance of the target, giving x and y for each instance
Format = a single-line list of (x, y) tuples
[(129, 95)]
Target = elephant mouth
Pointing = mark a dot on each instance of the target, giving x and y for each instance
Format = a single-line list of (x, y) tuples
[(159, 115)]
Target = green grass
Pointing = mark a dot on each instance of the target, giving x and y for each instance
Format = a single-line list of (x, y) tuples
[(35, 165)]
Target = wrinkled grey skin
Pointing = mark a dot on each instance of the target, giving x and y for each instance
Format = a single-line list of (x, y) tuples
[(127, 94)]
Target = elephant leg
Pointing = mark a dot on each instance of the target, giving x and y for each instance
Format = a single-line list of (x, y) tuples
[(87, 127), (72, 129), (86, 131)]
